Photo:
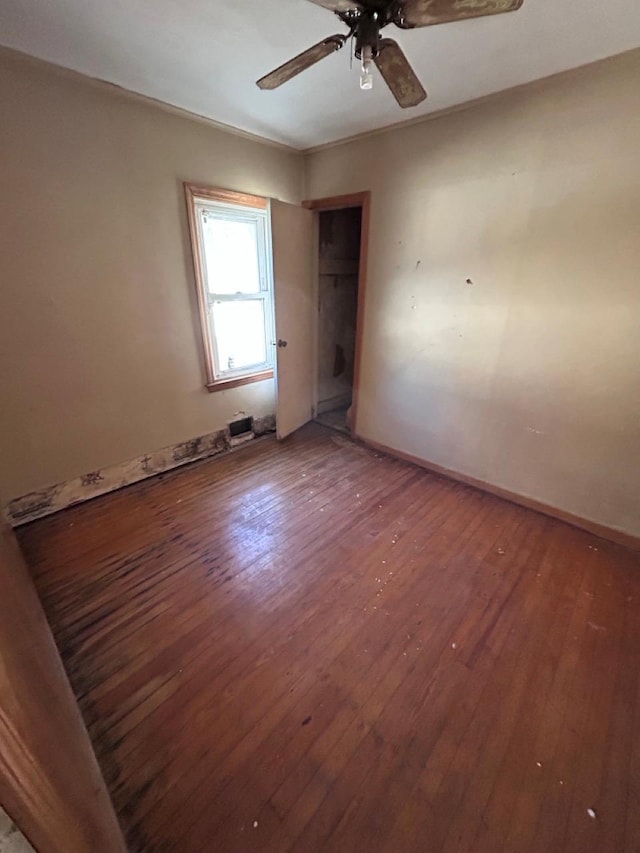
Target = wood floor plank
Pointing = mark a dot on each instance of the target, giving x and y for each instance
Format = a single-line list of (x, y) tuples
[(311, 646), (338, 635), (373, 648)]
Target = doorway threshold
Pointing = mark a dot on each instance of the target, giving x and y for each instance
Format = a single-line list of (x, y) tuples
[(336, 419)]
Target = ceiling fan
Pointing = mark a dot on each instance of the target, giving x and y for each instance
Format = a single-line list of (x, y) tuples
[(366, 19)]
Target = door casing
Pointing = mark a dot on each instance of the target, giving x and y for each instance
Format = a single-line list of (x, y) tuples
[(362, 200)]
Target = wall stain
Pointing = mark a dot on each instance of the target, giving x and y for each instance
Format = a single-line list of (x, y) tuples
[(92, 478), (62, 495)]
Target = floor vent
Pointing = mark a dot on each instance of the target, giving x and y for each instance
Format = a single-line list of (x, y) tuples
[(240, 427)]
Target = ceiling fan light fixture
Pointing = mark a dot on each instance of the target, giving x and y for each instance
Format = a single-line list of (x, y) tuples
[(366, 71), (365, 20)]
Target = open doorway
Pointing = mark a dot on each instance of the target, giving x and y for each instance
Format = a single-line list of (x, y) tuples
[(339, 249)]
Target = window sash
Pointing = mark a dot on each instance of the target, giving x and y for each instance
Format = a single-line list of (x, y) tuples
[(246, 370), (227, 213), (208, 299), (237, 297)]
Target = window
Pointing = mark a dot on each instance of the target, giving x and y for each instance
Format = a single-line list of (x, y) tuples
[(231, 240)]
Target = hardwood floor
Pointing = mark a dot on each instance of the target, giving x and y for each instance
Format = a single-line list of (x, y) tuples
[(310, 646)]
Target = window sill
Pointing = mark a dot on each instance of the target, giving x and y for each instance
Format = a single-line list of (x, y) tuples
[(224, 384)]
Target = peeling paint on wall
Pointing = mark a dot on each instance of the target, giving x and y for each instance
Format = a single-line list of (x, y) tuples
[(261, 426), (11, 839), (54, 498), (194, 447)]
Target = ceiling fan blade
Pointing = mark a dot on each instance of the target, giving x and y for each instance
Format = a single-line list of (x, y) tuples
[(339, 5), (301, 62), (426, 13), (399, 75)]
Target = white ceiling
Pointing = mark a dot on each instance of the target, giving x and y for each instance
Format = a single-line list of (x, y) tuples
[(205, 55)]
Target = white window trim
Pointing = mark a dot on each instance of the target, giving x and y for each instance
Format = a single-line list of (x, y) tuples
[(256, 209)]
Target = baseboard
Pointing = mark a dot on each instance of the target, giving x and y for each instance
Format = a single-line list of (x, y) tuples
[(628, 540), (52, 499)]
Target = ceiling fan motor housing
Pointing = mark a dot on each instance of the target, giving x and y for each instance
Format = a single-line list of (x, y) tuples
[(366, 21), (367, 33)]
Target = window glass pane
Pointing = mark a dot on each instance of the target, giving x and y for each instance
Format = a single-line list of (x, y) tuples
[(239, 334), (231, 254)]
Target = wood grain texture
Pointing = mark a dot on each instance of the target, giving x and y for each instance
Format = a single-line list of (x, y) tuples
[(621, 537), (227, 196), (50, 782), (310, 646), (225, 384)]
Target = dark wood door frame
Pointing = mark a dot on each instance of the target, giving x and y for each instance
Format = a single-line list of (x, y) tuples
[(50, 781), (339, 202)]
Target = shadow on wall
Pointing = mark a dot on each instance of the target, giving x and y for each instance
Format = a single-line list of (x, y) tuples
[(338, 306), (467, 432)]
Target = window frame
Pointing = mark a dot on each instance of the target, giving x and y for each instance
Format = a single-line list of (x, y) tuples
[(254, 207)]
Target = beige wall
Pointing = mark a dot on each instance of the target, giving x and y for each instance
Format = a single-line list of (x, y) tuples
[(100, 359), (529, 377)]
